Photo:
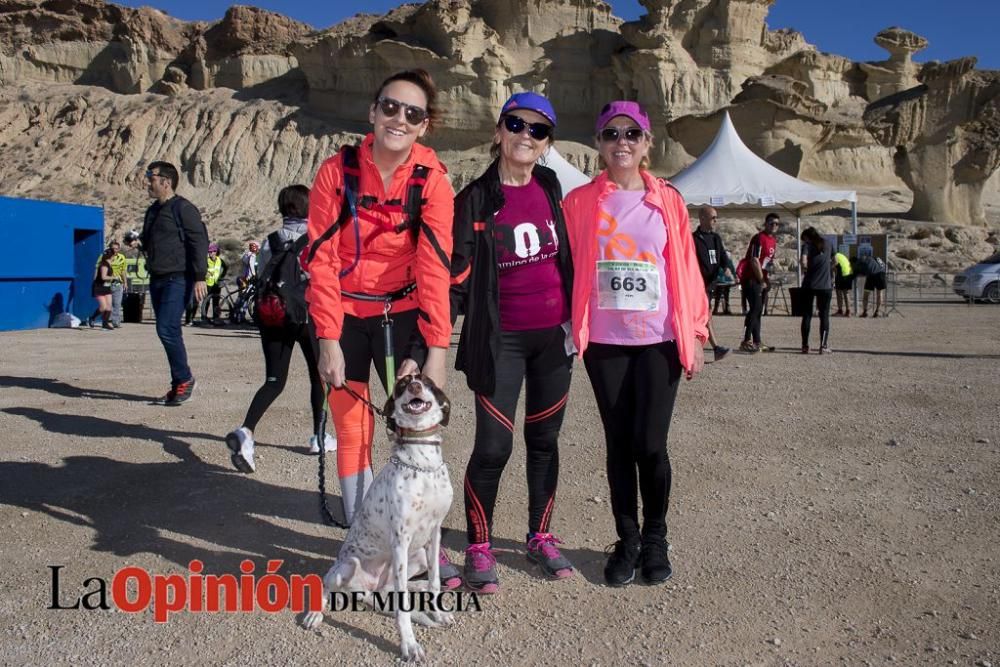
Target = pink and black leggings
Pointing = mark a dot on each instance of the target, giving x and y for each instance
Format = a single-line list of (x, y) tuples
[(537, 359)]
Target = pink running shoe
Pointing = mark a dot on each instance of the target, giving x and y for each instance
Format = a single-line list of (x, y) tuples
[(542, 551), (448, 573), (481, 569)]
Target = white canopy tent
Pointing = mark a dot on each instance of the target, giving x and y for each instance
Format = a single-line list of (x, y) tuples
[(569, 176), (729, 175)]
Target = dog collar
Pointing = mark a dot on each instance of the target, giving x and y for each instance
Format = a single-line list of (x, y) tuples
[(401, 463), (425, 437)]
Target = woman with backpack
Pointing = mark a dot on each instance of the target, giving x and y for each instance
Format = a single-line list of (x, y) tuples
[(379, 255), (278, 339)]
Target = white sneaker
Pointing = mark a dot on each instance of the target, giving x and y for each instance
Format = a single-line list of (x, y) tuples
[(240, 442), (330, 444)]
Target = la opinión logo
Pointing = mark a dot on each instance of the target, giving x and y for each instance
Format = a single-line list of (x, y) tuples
[(134, 590)]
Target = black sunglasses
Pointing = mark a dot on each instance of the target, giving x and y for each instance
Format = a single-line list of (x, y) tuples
[(414, 115), (633, 135), (537, 131)]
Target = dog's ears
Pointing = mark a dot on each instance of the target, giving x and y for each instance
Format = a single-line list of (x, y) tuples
[(443, 401)]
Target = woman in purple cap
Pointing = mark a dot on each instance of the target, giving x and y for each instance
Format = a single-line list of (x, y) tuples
[(511, 277), (639, 318)]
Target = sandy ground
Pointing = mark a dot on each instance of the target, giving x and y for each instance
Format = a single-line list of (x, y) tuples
[(834, 509)]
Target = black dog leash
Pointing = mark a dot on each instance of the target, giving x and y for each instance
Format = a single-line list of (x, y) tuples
[(358, 397)]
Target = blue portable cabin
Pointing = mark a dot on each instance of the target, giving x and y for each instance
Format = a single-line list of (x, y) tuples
[(50, 251)]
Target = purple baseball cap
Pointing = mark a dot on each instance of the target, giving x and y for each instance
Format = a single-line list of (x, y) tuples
[(624, 108), (531, 102)]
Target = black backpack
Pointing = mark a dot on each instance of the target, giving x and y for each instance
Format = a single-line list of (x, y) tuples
[(281, 285)]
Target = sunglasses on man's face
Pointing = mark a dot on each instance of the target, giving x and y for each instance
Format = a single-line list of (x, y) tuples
[(537, 131), (152, 174), (389, 107), (633, 135)]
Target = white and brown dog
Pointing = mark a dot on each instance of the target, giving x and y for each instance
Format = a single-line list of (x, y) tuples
[(396, 533)]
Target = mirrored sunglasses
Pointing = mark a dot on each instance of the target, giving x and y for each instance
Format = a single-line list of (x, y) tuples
[(537, 131), (414, 115), (633, 135)]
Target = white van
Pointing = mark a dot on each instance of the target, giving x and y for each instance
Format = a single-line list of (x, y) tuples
[(981, 281)]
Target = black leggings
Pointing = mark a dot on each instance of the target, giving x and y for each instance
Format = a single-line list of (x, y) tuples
[(754, 293), (635, 388), (363, 343), (538, 359), (278, 344), (822, 297)]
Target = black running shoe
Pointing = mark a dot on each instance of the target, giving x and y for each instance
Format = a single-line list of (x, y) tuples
[(181, 393), (656, 567), (620, 568)]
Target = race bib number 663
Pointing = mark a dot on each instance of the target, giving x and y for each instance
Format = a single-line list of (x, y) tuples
[(628, 285)]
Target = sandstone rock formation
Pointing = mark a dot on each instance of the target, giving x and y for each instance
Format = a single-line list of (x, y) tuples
[(91, 42), (478, 53), (946, 133), (899, 72), (91, 146), (685, 60)]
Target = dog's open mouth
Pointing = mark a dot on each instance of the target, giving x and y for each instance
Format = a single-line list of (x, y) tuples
[(416, 407)]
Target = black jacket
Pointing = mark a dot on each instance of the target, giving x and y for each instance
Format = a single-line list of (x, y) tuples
[(703, 243), (475, 277), (166, 252)]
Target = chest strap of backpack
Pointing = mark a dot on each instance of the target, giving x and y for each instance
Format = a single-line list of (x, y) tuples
[(411, 208)]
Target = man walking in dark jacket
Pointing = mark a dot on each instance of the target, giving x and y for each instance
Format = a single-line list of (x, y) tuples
[(176, 245), (711, 254)]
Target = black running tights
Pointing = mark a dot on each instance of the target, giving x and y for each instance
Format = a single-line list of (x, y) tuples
[(822, 298), (635, 387), (278, 344), (537, 359)]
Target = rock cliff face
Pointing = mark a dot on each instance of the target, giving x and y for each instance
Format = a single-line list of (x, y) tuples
[(946, 134), (89, 42), (478, 53), (91, 146), (685, 60)]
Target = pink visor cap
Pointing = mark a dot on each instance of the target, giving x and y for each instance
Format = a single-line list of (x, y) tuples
[(624, 108)]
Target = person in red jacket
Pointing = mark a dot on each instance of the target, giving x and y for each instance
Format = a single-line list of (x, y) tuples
[(380, 230), (640, 318)]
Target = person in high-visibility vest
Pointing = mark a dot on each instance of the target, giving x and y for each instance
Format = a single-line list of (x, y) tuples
[(843, 281), (217, 269), (118, 283)]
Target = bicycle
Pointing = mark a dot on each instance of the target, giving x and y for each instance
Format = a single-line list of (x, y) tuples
[(239, 305)]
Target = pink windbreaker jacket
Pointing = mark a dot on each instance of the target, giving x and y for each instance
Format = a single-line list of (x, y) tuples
[(685, 287)]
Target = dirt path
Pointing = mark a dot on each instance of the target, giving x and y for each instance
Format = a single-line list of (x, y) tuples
[(839, 509)]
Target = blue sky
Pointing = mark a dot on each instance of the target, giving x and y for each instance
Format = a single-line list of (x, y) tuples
[(954, 29)]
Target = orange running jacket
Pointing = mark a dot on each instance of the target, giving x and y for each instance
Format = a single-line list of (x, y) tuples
[(582, 208), (388, 261)]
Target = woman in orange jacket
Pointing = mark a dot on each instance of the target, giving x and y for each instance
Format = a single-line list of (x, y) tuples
[(640, 318), (380, 225)]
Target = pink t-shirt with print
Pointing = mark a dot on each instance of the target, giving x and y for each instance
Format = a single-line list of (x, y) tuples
[(630, 230)]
